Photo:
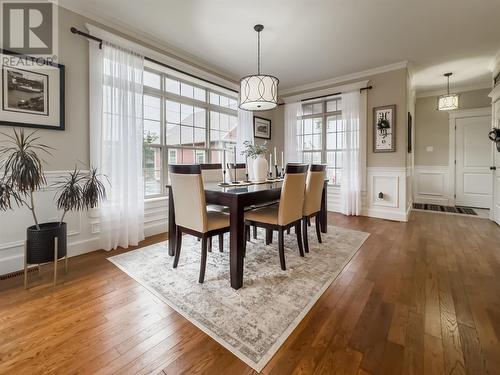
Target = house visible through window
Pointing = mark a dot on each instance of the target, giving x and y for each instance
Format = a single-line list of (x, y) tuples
[(319, 136), (185, 122)]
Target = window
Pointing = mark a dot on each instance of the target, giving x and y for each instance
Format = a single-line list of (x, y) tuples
[(319, 136), (184, 123)]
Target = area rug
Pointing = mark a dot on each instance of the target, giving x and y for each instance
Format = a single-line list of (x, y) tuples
[(447, 209), (254, 321)]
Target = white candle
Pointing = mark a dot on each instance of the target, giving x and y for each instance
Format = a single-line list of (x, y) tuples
[(270, 163), (275, 158), (282, 164), (224, 160)]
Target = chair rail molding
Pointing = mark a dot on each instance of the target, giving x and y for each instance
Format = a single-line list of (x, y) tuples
[(83, 227)]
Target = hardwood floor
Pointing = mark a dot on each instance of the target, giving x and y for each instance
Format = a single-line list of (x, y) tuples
[(421, 297)]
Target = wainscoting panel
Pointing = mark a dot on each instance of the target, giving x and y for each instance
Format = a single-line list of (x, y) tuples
[(431, 185), (83, 227), (391, 182)]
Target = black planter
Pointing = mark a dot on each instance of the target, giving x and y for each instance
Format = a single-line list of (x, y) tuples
[(40, 242)]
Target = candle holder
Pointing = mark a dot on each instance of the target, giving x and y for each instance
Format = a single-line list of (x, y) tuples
[(246, 178), (224, 183), (282, 172)]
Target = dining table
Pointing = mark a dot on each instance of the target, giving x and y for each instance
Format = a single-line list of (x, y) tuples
[(237, 198)]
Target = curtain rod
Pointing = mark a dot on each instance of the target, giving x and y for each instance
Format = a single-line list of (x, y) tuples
[(328, 95), (74, 30)]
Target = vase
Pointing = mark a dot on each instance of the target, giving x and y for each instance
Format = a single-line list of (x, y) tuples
[(40, 242), (260, 168)]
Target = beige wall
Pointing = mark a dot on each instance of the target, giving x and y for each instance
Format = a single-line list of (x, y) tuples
[(432, 126)]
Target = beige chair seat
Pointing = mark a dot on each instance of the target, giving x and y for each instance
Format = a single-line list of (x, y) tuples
[(268, 215), (217, 220)]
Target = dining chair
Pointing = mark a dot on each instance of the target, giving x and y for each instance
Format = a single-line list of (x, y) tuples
[(212, 173), (237, 172), (191, 214), (312, 200), (287, 214)]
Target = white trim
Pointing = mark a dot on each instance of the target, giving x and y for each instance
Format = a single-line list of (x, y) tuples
[(495, 94), (473, 112), (456, 89), (344, 78), (422, 195)]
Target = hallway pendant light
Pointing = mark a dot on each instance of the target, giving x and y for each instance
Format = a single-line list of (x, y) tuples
[(448, 101), (258, 92)]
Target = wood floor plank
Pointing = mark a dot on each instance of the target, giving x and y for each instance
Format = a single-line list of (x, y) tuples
[(421, 297)]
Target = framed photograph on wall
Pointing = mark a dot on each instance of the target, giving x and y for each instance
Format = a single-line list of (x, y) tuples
[(261, 128), (32, 92), (384, 129), (410, 126)]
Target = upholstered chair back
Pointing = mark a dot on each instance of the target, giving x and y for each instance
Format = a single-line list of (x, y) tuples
[(314, 189), (211, 172), (238, 169), (292, 194), (189, 197)]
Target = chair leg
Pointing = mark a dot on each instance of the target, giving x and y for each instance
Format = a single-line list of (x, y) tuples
[(254, 232), (318, 231), (247, 232), (298, 232), (178, 246), (281, 248), (203, 263), (269, 236), (308, 222), (246, 228), (210, 244), (288, 231), (304, 234), (221, 242)]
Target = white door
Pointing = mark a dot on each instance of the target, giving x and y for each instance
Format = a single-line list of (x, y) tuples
[(473, 177)]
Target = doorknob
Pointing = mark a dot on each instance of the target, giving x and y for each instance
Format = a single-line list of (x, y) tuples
[(493, 168)]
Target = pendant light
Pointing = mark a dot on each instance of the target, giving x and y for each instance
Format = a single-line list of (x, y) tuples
[(258, 92), (448, 101)]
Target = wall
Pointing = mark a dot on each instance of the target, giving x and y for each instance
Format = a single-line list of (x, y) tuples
[(386, 172), (71, 147), (432, 172), (432, 126)]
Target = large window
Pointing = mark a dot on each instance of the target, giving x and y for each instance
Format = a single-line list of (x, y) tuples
[(184, 123), (319, 132)]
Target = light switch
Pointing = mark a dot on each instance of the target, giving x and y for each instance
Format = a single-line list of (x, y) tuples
[(429, 149)]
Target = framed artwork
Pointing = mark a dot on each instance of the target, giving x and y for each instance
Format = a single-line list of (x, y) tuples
[(261, 128), (384, 129), (32, 92), (410, 125)]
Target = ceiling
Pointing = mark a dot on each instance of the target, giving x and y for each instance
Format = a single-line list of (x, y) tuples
[(311, 40)]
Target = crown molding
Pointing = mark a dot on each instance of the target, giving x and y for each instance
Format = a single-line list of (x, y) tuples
[(457, 89), (344, 78), (134, 35)]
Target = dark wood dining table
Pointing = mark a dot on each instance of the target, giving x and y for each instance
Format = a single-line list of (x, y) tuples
[(237, 198)]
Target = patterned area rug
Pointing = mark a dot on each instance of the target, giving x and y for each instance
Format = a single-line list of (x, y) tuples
[(449, 209), (254, 321)]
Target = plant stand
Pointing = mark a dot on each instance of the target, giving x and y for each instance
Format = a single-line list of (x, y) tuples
[(26, 264)]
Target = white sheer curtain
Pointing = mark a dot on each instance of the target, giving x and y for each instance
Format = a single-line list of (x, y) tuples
[(354, 152), (292, 149), (116, 104), (244, 133)]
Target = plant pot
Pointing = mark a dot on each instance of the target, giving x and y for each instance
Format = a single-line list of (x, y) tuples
[(40, 242), (260, 168)]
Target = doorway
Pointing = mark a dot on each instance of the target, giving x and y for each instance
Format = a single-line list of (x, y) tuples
[(472, 157)]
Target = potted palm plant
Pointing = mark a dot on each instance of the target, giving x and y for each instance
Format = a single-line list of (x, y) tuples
[(23, 175)]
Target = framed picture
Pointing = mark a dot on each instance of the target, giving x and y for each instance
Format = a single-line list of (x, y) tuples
[(261, 128), (384, 129), (410, 125), (32, 92)]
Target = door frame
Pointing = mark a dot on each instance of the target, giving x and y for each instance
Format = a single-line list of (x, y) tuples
[(453, 117)]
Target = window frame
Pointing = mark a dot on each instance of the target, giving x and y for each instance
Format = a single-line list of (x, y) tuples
[(324, 115), (206, 105)]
